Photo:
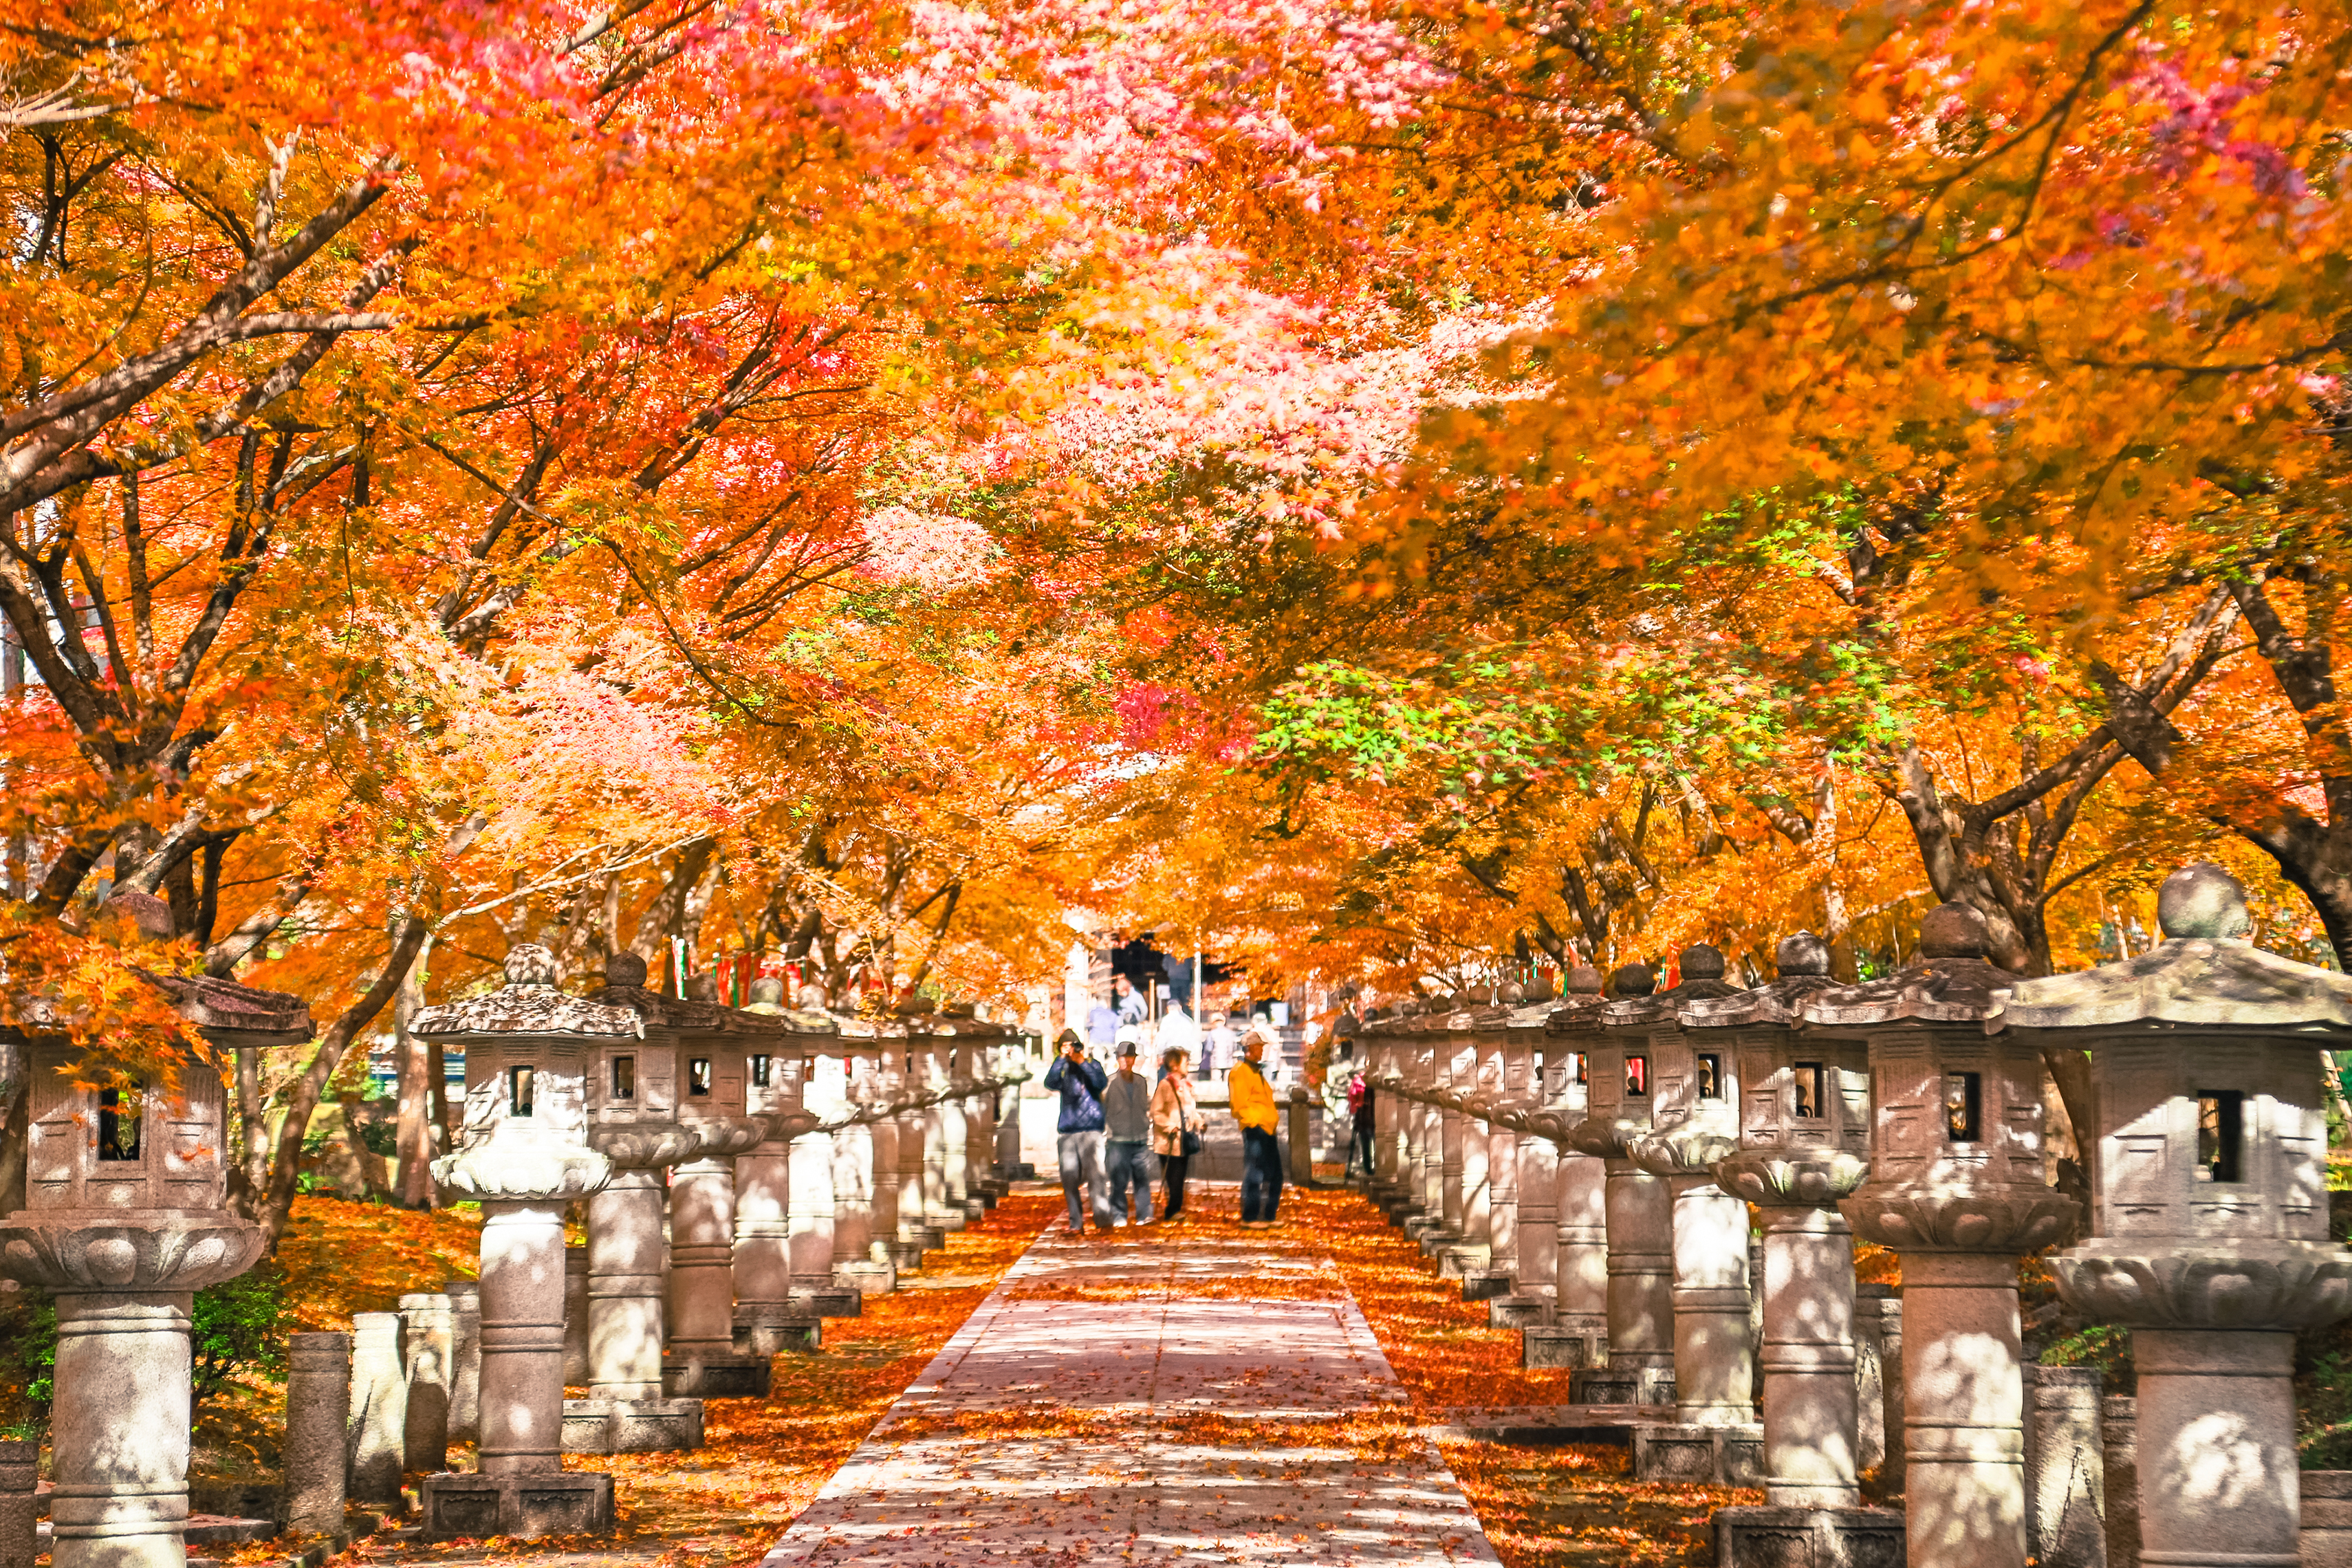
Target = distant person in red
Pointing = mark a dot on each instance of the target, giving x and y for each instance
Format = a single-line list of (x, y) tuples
[(1360, 1119)]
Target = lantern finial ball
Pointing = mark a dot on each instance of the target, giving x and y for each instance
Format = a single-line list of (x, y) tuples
[(626, 968), (1701, 962), (2202, 900), (528, 964), (1953, 931), (1633, 979), (1803, 953), (768, 990), (1584, 981)]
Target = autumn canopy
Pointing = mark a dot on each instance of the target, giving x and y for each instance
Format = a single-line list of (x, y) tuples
[(1401, 488)]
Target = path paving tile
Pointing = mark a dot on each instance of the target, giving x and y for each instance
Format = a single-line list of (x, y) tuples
[(1158, 1398)]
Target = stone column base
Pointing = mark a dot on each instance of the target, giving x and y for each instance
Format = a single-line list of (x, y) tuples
[(632, 1426), (1570, 1340), (546, 1503), (826, 1301), (899, 1255), (1463, 1259), (867, 1278), (1621, 1385), (695, 1373), (1435, 1239), (763, 1328), (1517, 1309), (1808, 1537), (1487, 1284), (1703, 1456), (924, 1237)]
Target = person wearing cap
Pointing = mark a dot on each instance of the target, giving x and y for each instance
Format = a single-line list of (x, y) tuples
[(1253, 1101), (1127, 1122), (1079, 1129)]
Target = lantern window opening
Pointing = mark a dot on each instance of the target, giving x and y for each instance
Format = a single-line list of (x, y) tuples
[(624, 1078), (119, 1122), (2220, 1135), (760, 1070), (521, 1085), (1811, 1085), (698, 1077), (1576, 1067), (1964, 1107), (1637, 1075), (1710, 1076)]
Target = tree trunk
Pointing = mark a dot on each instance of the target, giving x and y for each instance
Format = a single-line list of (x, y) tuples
[(413, 1184)]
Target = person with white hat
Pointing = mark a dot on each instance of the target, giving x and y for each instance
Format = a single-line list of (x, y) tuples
[(1254, 1108)]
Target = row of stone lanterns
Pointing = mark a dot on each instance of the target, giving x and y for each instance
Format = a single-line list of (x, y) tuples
[(1907, 1111), (567, 1098)]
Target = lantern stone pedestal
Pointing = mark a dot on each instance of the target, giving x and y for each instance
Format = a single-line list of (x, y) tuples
[(2212, 1225), (627, 1411), (1956, 1190), (528, 1049), (1639, 1208), (700, 1359), (1576, 1333)]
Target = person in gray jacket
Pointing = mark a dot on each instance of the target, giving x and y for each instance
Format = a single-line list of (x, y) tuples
[(1127, 1126)]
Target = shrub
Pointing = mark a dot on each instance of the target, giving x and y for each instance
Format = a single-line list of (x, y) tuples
[(28, 1360), (239, 1325)]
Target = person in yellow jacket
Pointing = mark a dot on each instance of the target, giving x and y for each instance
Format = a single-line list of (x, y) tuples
[(1252, 1098)]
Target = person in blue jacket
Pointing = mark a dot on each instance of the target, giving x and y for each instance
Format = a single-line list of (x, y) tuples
[(1079, 1142)]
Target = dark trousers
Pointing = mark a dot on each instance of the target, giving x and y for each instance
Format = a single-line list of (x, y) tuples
[(1129, 1174), (1360, 1147), (1172, 1169), (1261, 1175)]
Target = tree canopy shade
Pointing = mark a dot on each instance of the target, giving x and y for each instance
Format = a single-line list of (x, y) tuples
[(1399, 486)]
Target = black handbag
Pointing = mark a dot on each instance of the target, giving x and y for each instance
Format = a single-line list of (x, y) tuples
[(1191, 1143)]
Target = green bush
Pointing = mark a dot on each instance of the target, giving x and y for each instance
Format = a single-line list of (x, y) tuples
[(28, 1360), (2324, 1395), (239, 1325), (2105, 1346)]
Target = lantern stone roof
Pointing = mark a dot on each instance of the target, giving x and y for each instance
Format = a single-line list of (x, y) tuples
[(1701, 969), (223, 1006), (2205, 973), (1950, 983), (1803, 961), (527, 1003), (624, 986), (1579, 1011)]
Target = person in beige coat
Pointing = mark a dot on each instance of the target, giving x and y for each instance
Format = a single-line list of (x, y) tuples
[(1175, 1111)]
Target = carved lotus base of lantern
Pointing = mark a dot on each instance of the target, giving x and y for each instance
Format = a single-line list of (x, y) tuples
[(1683, 1149), (1915, 1217), (513, 1171), (1605, 1138), (632, 1426), (1617, 1384), (1768, 1537), (1791, 1178), (125, 1249), (1463, 1259), (647, 1145), (2285, 1285)]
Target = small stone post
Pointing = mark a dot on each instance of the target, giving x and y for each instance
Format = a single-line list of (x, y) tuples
[(465, 1359), (1298, 1113), (318, 1420), (428, 1338), (2065, 1468), (379, 1408), (1956, 1189), (2210, 1236), (20, 1509), (2119, 1450)]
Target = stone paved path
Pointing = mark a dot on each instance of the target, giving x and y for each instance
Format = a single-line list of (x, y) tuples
[(1187, 1399)]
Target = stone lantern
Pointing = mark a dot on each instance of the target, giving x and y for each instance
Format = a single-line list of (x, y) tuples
[(2209, 1225), (1956, 1189), (1420, 1169), (1576, 1333), (857, 1166), (1526, 1188), (1621, 1090), (1695, 1122), (1804, 1144), (697, 1064), (779, 1244), (528, 1049), (123, 1222), (1476, 1088), (1377, 1035)]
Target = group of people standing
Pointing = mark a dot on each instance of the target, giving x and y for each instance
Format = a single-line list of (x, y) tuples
[(1214, 1042), (1114, 1127)]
